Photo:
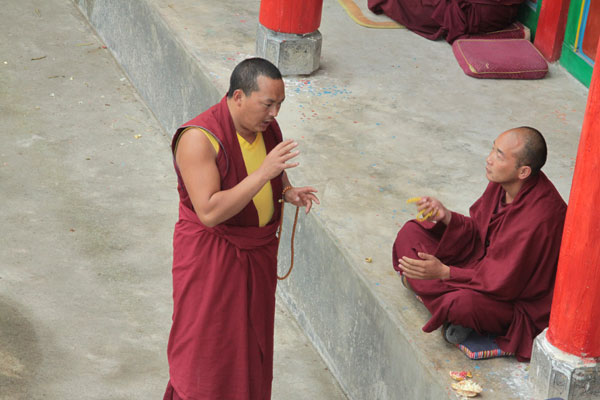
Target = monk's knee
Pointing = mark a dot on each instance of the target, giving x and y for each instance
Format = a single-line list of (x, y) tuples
[(478, 311), (463, 308), (404, 243)]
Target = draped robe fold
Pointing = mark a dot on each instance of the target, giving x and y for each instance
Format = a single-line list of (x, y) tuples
[(434, 19), (502, 264), (224, 281)]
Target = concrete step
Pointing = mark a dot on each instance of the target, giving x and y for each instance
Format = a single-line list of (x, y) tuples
[(388, 116)]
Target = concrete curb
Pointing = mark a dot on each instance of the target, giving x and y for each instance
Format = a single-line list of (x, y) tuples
[(347, 323), (169, 79)]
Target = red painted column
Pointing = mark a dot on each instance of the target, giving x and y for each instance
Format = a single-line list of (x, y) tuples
[(575, 316), (551, 26), (291, 16)]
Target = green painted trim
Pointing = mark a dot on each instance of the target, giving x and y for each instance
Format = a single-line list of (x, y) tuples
[(529, 17), (572, 22), (576, 65), (572, 62)]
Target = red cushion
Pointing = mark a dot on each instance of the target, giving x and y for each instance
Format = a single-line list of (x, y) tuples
[(500, 58)]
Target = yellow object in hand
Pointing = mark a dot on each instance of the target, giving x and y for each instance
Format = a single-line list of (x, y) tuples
[(424, 217), (420, 216)]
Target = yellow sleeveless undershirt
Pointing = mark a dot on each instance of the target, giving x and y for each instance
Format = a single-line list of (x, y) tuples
[(253, 153)]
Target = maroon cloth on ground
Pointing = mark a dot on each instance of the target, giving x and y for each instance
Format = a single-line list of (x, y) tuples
[(224, 281), (500, 58), (516, 30), (434, 19), (502, 264)]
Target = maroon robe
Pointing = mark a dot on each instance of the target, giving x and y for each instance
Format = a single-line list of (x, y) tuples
[(433, 19), (502, 263), (224, 280)]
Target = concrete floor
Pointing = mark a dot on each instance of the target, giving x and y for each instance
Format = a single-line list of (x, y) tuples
[(388, 116), (89, 203)]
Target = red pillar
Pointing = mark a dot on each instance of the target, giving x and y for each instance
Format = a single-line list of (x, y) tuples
[(291, 16), (550, 31), (575, 316)]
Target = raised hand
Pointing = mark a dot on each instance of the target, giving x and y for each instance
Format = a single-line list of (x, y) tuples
[(434, 210), (276, 161)]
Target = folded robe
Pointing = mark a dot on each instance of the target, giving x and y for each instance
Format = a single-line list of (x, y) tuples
[(434, 19), (502, 263)]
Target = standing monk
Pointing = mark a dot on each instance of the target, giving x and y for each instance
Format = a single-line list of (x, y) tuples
[(492, 272), (230, 163)]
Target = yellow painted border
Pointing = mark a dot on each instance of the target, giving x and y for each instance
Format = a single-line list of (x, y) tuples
[(473, 70), (579, 25), (356, 14)]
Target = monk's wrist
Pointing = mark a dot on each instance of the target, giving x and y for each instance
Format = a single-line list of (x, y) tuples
[(446, 273), (447, 218), (285, 191)]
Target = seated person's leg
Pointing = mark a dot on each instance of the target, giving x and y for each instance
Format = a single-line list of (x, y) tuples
[(473, 310), (411, 239)]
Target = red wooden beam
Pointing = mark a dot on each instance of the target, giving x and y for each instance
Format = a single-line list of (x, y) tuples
[(550, 31), (575, 316), (291, 16)]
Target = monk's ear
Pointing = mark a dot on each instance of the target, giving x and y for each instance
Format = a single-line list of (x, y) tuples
[(238, 96), (524, 172)]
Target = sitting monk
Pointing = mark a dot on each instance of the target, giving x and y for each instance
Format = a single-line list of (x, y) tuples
[(434, 19), (492, 272)]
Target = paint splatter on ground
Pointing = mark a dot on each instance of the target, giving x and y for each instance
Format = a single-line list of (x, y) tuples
[(308, 86)]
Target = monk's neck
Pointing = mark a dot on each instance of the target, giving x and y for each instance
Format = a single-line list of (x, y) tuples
[(511, 189), (248, 135)]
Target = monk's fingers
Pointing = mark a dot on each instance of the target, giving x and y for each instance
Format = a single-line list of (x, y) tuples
[(304, 198), (411, 261), (289, 165), (426, 256), (307, 190), (422, 200), (314, 198), (412, 273), (285, 146), (309, 198), (288, 156), (405, 268), (308, 207), (423, 207), (415, 266)]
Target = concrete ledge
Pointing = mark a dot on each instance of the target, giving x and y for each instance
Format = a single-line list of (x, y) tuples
[(346, 322), (168, 78)]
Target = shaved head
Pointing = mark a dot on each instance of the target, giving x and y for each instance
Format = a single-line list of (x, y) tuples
[(534, 150)]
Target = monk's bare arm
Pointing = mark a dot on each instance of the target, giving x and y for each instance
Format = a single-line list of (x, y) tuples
[(196, 160)]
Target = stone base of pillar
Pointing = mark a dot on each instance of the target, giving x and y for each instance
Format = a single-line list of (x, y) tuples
[(292, 54), (555, 373)]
